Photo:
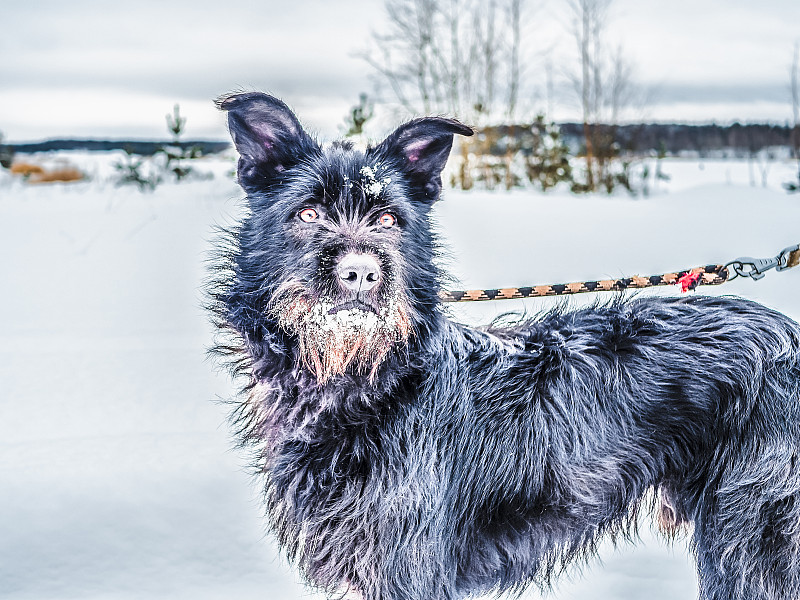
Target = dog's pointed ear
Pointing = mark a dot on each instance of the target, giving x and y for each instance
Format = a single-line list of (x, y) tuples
[(267, 135), (422, 147)]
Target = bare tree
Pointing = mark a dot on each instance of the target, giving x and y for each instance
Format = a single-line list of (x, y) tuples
[(794, 186), (514, 73), (589, 19), (549, 73), (456, 56), (604, 86), (796, 99)]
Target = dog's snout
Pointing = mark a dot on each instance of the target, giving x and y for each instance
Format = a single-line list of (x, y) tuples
[(358, 272)]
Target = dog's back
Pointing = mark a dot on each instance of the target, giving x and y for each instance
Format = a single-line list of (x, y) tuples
[(697, 397)]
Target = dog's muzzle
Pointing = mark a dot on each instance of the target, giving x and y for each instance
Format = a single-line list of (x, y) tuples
[(354, 304)]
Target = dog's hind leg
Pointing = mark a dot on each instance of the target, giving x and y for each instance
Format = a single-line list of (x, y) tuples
[(747, 539)]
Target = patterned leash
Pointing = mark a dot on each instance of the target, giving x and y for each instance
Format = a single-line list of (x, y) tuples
[(755, 268)]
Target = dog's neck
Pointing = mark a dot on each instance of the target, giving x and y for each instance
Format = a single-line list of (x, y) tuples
[(299, 403)]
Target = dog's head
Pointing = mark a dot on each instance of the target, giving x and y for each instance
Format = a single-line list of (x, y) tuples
[(336, 250)]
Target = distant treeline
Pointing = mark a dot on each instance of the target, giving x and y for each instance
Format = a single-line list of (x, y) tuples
[(638, 139), (672, 139), (142, 148)]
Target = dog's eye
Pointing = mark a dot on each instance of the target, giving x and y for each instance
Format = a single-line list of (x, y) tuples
[(308, 214), (387, 220)]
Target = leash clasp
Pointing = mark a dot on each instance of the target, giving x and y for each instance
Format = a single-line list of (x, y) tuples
[(755, 268), (788, 257)]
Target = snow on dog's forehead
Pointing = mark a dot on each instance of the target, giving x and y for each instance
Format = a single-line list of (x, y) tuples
[(372, 182), (343, 172)]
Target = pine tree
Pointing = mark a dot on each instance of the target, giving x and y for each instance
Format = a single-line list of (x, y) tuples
[(176, 154), (359, 115), (176, 123), (547, 164)]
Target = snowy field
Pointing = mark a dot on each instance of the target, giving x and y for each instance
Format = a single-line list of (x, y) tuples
[(117, 475)]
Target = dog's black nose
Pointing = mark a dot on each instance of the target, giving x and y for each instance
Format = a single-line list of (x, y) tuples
[(358, 272)]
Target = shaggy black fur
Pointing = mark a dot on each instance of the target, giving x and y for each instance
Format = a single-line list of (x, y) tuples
[(466, 460)]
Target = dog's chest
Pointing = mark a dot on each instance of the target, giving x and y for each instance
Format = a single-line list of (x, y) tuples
[(351, 459), (325, 451)]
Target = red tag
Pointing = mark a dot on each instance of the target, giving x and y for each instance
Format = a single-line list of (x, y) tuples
[(689, 281)]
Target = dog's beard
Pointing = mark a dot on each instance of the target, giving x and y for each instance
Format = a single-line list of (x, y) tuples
[(332, 341)]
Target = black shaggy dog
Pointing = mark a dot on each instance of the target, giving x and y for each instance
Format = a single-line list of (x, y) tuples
[(406, 456)]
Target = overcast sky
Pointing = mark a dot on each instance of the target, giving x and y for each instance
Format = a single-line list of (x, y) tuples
[(110, 70)]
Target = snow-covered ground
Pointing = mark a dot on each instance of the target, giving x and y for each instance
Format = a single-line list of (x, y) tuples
[(117, 475)]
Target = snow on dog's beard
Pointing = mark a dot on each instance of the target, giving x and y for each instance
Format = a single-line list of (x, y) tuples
[(330, 341)]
